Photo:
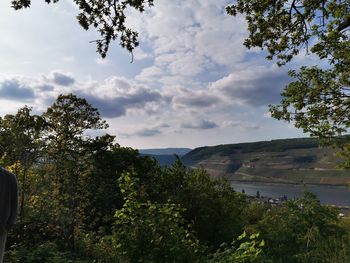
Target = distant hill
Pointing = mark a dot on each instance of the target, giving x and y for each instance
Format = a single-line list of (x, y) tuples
[(165, 156), (165, 151), (296, 161)]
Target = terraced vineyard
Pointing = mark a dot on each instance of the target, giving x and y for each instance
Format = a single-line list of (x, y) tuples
[(300, 161)]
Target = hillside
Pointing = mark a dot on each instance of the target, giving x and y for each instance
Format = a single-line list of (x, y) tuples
[(165, 151), (300, 161), (165, 156)]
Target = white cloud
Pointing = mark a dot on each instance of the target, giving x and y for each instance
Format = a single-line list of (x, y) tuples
[(70, 59), (150, 74), (199, 37), (191, 73), (102, 61), (140, 54)]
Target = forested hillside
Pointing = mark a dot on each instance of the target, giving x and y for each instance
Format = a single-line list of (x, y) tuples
[(299, 161), (165, 156), (165, 151)]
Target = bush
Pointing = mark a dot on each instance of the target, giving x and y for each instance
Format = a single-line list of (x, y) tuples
[(46, 252)]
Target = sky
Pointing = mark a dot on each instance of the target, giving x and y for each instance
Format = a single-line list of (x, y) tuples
[(192, 82)]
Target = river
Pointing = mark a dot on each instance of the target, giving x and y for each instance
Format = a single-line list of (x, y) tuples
[(333, 195)]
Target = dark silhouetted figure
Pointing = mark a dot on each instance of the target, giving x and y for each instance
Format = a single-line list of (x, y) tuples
[(8, 204)]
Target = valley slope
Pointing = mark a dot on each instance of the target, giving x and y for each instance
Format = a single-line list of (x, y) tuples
[(290, 161), (165, 156)]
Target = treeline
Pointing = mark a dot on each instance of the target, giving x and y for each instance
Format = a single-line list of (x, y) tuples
[(86, 199)]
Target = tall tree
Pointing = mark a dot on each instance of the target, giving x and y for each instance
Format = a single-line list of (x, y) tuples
[(318, 100), (284, 28), (69, 155), (109, 162), (21, 135)]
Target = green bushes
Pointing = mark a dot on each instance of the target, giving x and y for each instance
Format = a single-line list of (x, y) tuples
[(296, 231), (45, 252), (151, 232), (248, 250), (87, 199)]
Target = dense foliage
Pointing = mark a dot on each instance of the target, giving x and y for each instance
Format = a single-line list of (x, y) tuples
[(317, 101), (86, 199)]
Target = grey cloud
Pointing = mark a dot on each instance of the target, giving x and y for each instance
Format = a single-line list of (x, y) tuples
[(107, 107), (164, 125), (14, 90), (196, 100), (258, 89), (241, 125), (118, 106), (62, 79), (201, 125), (48, 100), (145, 132), (46, 87), (148, 132), (139, 98), (121, 83)]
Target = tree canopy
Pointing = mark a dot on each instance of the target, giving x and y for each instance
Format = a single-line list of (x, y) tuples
[(318, 100), (107, 16), (284, 28), (86, 199)]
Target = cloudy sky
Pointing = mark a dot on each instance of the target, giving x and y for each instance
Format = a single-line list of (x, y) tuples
[(192, 82)]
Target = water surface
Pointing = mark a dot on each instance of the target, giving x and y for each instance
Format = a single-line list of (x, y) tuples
[(333, 195)]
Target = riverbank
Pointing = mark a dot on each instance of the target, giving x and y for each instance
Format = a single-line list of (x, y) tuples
[(327, 194), (288, 183)]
